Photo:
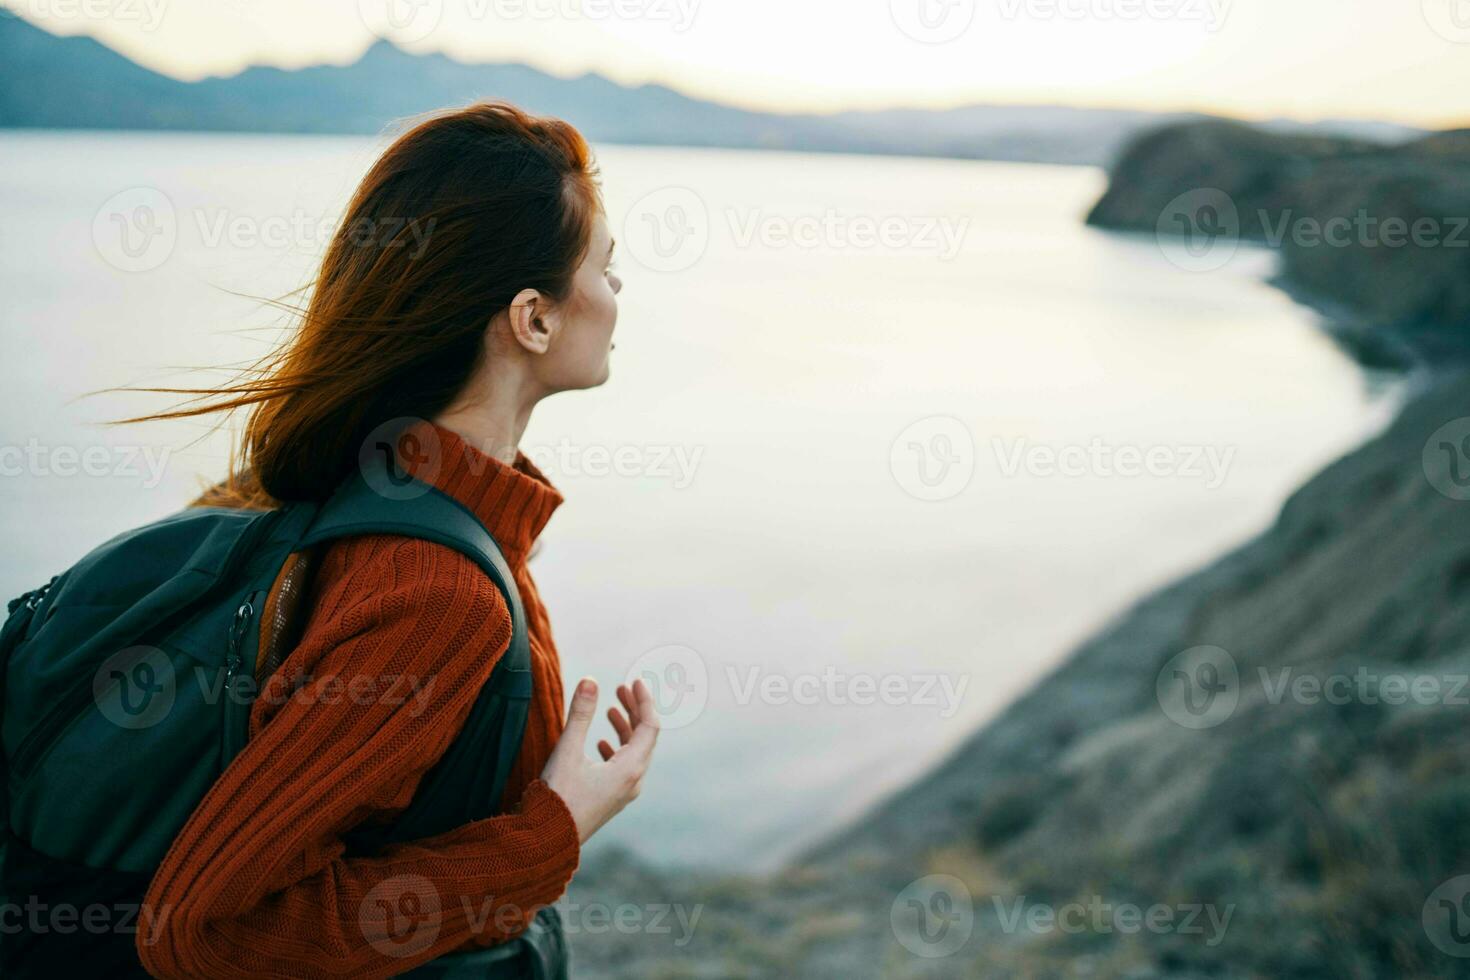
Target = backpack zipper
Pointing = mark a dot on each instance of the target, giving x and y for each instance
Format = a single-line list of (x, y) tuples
[(235, 730), (233, 658)]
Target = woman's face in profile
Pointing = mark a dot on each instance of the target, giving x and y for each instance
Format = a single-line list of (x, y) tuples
[(578, 356)]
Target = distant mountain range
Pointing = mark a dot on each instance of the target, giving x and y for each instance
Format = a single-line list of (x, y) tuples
[(76, 82)]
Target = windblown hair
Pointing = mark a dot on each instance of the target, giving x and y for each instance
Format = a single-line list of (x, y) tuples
[(460, 213)]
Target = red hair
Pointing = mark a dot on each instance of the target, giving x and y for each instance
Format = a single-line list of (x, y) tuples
[(460, 213)]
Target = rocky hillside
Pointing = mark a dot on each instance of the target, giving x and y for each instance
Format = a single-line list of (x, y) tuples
[(1377, 234), (1271, 757)]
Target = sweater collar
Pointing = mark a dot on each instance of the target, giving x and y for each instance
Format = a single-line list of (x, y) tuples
[(514, 501)]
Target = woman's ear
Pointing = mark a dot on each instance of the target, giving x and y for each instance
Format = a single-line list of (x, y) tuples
[(533, 320)]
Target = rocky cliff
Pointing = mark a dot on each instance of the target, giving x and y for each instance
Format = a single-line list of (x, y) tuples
[(1377, 234)]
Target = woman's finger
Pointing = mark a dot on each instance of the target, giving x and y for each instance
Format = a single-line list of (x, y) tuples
[(620, 725), (605, 749), (646, 733), (579, 715), (642, 694), (630, 703)]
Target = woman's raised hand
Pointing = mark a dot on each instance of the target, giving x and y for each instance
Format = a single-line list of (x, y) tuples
[(595, 791)]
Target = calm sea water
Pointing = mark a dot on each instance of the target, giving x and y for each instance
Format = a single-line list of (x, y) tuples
[(854, 485)]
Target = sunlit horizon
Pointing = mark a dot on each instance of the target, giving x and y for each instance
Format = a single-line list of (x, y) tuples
[(1319, 59)]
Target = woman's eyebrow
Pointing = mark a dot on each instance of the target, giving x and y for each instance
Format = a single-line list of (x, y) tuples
[(612, 243)]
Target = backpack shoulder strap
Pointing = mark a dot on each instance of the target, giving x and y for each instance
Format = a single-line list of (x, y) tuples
[(418, 510), (463, 786)]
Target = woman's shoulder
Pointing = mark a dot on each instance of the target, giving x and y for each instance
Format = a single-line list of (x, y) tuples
[(405, 576), (383, 606)]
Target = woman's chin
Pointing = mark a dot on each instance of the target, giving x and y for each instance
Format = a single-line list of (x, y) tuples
[(599, 378)]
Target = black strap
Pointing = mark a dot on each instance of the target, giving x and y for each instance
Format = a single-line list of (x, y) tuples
[(462, 787), (19, 620)]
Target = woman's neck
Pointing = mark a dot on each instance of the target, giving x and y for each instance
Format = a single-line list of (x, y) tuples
[(493, 416)]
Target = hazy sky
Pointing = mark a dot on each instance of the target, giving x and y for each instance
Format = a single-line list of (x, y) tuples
[(1393, 59)]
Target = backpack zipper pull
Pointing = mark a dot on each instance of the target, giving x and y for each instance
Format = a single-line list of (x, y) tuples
[(237, 639)]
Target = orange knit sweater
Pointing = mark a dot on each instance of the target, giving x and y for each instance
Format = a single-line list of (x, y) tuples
[(256, 883)]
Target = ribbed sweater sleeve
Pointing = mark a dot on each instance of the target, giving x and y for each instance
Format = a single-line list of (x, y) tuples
[(257, 884)]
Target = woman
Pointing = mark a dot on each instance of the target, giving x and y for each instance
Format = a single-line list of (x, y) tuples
[(470, 278)]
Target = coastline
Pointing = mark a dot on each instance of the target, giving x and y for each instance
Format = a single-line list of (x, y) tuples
[(1086, 779), (1311, 823)]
